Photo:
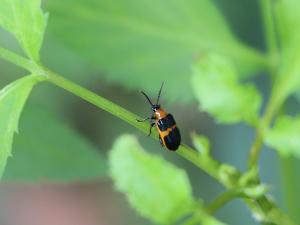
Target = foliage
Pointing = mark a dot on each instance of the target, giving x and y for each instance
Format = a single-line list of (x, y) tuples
[(285, 136), (56, 153), (12, 100), (146, 182), (288, 19), (215, 84), (201, 143), (135, 41), (26, 21)]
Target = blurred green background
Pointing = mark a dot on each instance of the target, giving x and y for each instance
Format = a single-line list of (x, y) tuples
[(117, 65)]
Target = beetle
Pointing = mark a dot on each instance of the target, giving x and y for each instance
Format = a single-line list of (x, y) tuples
[(169, 135)]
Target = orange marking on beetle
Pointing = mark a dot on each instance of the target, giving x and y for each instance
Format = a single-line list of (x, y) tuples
[(165, 133)]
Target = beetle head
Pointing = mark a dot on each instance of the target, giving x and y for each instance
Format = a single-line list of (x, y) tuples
[(155, 107)]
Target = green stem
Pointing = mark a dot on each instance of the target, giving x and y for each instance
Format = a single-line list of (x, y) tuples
[(270, 34), (274, 104), (17, 60), (210, 166), (256, 147), (194, 220), (96, 100), (225, 198), (272, 46), (270, 31)]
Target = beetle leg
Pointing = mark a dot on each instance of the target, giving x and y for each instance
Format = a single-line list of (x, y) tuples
[(150, 130), (148, 118), (160, 141), (143, 120)]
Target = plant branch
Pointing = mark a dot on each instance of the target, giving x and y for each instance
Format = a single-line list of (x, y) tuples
[(212, 167), (278, 94), (275, 101), (194, 220), (270, 31), (17, 60), (225, 198), (272, 47)]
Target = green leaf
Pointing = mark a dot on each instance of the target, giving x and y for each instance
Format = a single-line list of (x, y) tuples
[(46, 148), (26, 21), (12, 100), (140, 43), (216, 86), (201, 143), (288, 22), (155, 188), (284, 136)]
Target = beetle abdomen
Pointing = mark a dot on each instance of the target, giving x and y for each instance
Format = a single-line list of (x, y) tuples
[(173, 139), (168, 132)]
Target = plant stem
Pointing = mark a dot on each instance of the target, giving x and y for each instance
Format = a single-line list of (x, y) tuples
[(96, 100), (16, 59), (212, 167), (269, 28), (273, 105), (194, 220), (224, 198), (22, 62), (255, 149), (272, 47)]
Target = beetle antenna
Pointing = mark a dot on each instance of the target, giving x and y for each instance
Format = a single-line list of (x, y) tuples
[(147, 98), (158, 97)]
